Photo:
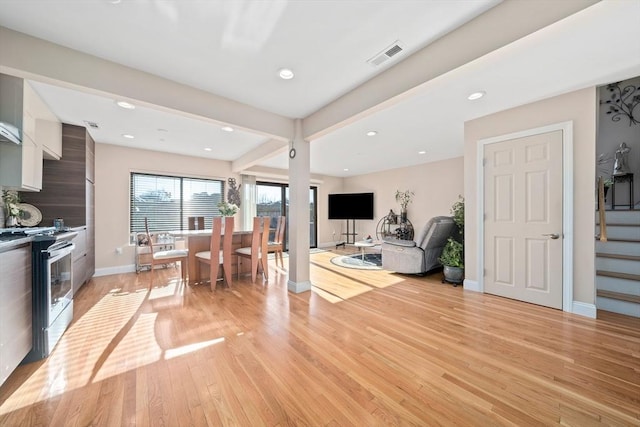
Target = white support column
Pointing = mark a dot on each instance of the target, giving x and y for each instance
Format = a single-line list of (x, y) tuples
[(299, 182)]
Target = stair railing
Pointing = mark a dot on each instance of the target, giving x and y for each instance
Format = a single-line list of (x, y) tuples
[(601, 211)]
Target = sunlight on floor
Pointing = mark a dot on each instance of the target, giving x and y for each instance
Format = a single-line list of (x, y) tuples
[(116, 335)]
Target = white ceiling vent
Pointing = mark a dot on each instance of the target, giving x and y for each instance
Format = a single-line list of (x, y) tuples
[(387, 53)]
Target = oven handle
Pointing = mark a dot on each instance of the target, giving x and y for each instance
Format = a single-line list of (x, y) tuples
[(57, 254)]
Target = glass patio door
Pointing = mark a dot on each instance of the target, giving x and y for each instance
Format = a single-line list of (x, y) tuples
[(272, 200)]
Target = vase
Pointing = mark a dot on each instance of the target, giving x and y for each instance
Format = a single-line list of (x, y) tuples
[(403, 216), (11, 221)]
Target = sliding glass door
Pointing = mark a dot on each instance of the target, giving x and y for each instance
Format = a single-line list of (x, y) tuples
[(273, 200)]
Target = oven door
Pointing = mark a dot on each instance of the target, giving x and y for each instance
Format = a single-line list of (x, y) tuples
[(59, 272)]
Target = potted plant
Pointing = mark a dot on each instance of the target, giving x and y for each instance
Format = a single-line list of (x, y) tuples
[(452, 257), (11, 201)]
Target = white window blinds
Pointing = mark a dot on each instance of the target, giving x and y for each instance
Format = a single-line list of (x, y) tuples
[(168, 201)]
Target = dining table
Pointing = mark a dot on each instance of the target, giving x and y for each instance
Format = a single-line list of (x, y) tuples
[(199, 241)]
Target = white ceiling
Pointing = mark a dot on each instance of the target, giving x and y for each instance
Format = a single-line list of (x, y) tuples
[(234, 48)]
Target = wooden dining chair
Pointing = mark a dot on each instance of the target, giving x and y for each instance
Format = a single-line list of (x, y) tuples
[(196, 222), (167, 256), (215, 256), (277, 244), (257, 252)]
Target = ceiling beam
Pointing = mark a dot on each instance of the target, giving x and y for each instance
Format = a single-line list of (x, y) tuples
[(36, 59), (499, 26), (271, 148)]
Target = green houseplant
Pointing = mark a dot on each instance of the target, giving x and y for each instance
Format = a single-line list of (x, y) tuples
[(452, 257)]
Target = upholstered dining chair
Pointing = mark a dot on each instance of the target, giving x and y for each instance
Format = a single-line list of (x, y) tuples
[(215, 256), (166, 257), (257, 252), (277, 244)]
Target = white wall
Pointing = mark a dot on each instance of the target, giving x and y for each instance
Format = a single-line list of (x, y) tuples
[(578, 107)]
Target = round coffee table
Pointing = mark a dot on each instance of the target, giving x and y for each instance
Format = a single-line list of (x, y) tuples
[(363, 246)]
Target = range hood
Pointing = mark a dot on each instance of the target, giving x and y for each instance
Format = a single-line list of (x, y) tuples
[(9, 133)]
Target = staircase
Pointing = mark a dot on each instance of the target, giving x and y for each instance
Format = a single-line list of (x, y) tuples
[(618, 263)]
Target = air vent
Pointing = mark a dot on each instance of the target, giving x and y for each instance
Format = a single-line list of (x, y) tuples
[(93, 125), (386, 54)]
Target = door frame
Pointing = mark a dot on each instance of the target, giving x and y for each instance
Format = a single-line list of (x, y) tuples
[(567, 203)]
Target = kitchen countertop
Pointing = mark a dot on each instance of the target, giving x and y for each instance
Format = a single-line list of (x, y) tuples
[(10, 242)]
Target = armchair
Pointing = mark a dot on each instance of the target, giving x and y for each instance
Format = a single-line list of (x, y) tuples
[(421, 255)]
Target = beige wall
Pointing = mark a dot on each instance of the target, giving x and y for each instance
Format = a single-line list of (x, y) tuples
[(579, 107), (436, 186), (113, 166)]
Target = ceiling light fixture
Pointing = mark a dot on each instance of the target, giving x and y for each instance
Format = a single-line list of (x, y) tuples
[(346, 169), (128, 136), (285, 73), (227, 128), (422, 152), (207, 149), (476, 95), (372, 133), (126, 105)]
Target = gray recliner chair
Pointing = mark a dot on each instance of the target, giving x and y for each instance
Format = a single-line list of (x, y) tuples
[(419, 256)]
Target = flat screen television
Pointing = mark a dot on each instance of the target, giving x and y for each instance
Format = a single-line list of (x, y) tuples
[(351, 206)]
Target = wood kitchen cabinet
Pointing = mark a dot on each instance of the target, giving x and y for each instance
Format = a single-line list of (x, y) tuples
[(15, 308), (68, 191)]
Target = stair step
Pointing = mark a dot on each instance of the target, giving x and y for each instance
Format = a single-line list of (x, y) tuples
[(618, 247), (618, 256), (626, 276), (614, 284), (618, 296), (618, 264), (622, 232), (617, 306), (621, 216)]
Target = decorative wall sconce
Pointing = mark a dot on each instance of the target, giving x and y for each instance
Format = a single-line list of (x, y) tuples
[(623, 102)]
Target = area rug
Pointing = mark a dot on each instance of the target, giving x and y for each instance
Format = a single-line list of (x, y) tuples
[(370, 262)]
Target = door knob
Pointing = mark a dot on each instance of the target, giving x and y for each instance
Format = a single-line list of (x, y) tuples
[(554, 236)]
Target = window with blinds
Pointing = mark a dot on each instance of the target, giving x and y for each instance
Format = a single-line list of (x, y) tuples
[(168, 201)]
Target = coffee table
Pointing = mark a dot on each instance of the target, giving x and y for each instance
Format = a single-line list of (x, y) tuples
[(363, 246)]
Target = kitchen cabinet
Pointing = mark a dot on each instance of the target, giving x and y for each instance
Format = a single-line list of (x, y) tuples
[(68, 190), (79, 259), (15, 308), (20, 164)]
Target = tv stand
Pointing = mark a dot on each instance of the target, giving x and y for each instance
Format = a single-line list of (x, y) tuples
[(352, 234)]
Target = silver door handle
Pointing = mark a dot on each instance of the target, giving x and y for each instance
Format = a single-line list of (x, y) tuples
[(554, 236)]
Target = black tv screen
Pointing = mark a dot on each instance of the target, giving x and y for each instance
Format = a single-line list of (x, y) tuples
[(351, 206)]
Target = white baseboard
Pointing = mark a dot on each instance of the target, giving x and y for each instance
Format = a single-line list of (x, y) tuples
[(107, 271), (471, 285), (584, 309), (298, 287)]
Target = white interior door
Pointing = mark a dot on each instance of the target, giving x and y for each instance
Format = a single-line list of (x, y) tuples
[(523, 188)]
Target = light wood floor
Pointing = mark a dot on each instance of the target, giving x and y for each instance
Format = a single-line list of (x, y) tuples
[(408, 351)]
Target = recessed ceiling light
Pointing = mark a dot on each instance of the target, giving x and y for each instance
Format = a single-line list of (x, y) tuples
[(346, 169), (207, 149), (372, 133), (422, 152), (227, 128), (476, 95), (128, 136), (126, 105), (285, 73)]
